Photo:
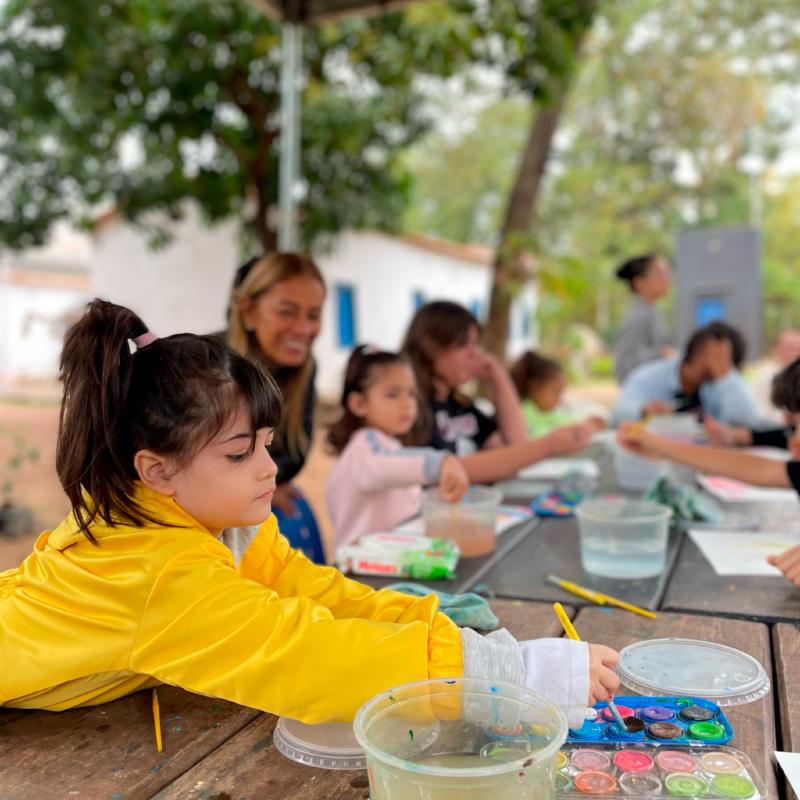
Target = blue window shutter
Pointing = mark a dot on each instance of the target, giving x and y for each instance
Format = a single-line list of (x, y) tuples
[(346, 305)]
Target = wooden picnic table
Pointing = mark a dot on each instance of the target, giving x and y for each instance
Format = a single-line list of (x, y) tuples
[(754, 724), (786, 647), (553, 548), (213, 750), (695, 587)]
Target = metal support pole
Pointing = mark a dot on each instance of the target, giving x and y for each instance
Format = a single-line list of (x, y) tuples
[(291, 99)]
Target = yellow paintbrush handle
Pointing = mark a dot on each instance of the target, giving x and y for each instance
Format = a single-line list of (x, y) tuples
[(612, 601), (565, 622), (157, 721)]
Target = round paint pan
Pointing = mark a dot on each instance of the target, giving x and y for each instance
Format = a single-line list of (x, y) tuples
[(590, 760), (642, 785), (657, 714), (327, 746), (693, 668), (676, 761), (633, 761), (663, 731), (696, 714), (720, 763), (736, 787), (707, 731), (684, 784), (595, 783)]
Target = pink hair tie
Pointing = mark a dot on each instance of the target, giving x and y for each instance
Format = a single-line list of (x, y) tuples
[(369, 349), (145, 339)]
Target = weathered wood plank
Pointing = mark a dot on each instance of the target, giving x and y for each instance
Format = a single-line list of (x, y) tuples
[(108, 752), (786, 647)]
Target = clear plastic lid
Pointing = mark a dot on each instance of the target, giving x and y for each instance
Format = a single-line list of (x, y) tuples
[(693, 668), (329, 746)]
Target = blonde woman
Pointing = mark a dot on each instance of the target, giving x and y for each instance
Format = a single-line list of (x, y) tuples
[(275, 316)]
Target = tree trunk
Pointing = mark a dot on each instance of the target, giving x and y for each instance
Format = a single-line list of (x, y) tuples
[(512, 262)]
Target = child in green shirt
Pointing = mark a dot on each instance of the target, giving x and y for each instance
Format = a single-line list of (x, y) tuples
[(541, 382)]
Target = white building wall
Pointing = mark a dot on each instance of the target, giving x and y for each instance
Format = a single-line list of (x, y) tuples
[(185, 286), (33, 321), (386, 272), (182, 287)]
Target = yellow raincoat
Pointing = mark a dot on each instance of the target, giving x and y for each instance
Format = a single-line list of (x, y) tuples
[(82, 624)]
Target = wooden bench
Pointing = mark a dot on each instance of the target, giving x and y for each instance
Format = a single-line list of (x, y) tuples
[(786, 647)]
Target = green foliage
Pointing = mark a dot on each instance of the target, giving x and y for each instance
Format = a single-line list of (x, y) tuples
[(141, 104), (672, 98)]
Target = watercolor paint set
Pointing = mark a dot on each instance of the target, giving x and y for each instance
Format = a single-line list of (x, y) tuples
[(665, 720), (656, 771)]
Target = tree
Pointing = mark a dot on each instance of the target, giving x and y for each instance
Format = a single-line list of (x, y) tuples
[(655, 135), (145, 103)]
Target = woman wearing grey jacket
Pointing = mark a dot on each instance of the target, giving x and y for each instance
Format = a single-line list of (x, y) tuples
[(643, 336)]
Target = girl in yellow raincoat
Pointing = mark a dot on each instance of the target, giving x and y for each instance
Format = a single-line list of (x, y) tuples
[(162, 450)]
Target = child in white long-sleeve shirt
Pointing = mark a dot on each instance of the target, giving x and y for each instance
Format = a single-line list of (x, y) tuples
[(377, 482)]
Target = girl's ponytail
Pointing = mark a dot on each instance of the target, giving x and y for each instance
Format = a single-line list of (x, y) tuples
[(96, 370)]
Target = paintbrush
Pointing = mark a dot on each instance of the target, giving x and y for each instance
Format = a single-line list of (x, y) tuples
[(569, 629)]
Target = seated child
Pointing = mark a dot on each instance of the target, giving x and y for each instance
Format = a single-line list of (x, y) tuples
[(377, 482), (540, 382), (441, 344), (163, 445), (747, 467)]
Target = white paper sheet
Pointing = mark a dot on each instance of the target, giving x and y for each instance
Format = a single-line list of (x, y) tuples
[(790, 764), (738, 553), (507, 517), (552, 469), (731, 491)]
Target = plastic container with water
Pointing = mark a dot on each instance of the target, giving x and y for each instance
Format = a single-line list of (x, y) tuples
[(460, 739), (636, 473), (623, 538), (470, 523)]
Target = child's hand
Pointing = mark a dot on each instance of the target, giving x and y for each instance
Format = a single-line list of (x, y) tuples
[(636, 439), (453, 479), (719, 433), (789, 564), (487, 367), (657, 407), (569, 439), (603, 681), (596, 423)]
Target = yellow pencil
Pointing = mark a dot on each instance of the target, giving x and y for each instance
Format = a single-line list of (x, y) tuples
[(598, 597), (565, 622), (157, 720)]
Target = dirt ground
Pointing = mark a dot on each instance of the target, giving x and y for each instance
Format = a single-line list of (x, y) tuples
[(36, 485)]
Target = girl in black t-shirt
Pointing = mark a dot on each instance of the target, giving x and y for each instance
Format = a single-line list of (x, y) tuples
[(442, 346)]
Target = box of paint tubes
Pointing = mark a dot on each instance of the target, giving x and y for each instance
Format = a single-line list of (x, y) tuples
[(653, 770), (400, 555), (662, 720)]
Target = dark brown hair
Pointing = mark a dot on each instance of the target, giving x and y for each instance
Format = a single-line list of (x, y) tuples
[(531, 370), (634, 268), (719, 331), (362, 365), (436, 326), (786, 388), (172, 396)]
